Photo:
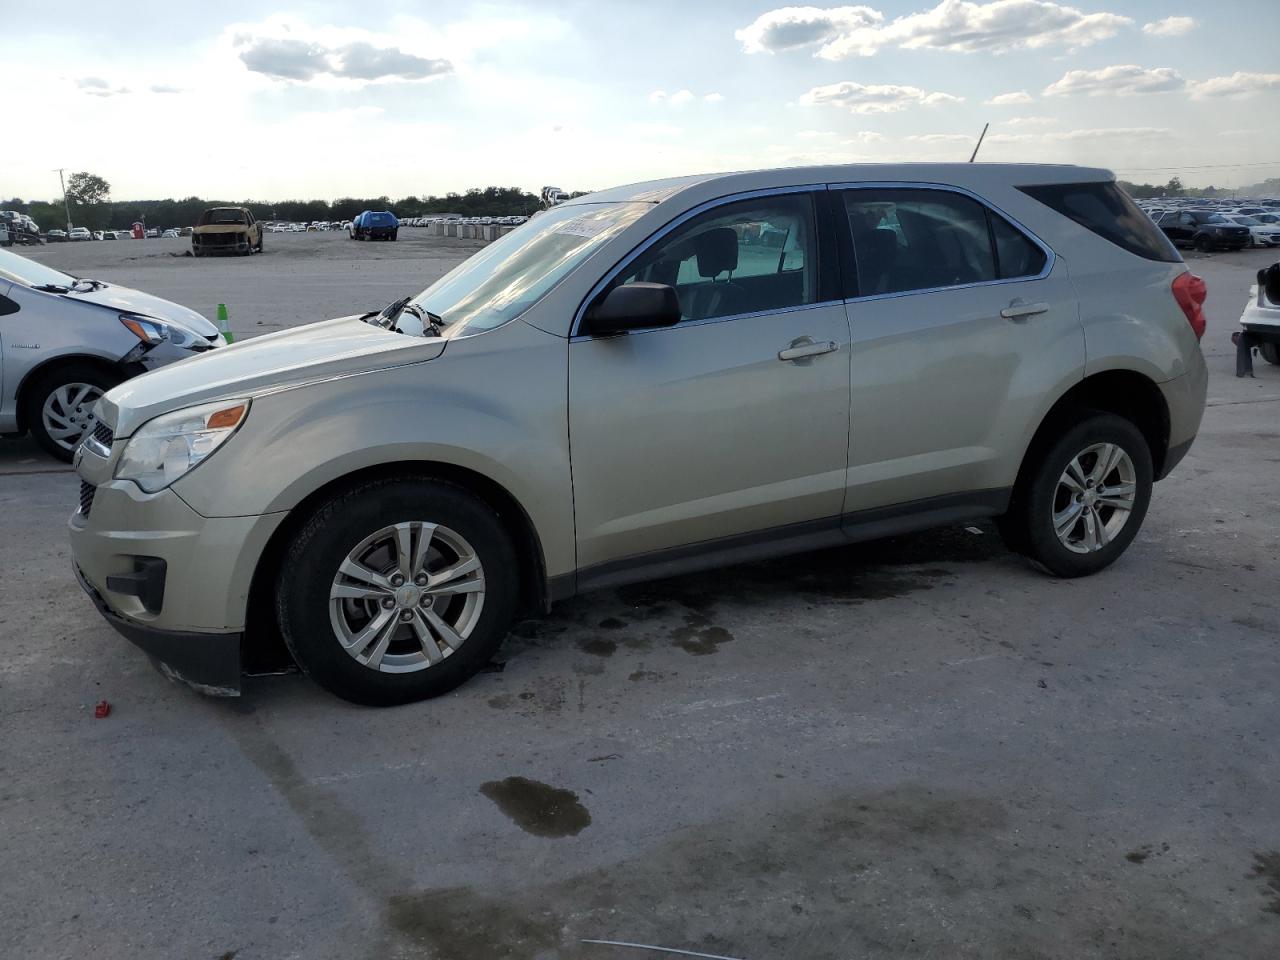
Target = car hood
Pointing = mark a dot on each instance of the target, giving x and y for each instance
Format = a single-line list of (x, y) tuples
[(145, 305), (290, 358)]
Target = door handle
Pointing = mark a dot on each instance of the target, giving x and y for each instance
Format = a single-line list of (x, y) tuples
[(1020, 308), (804, 347)]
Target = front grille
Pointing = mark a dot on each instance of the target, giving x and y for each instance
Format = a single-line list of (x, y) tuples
[(87, 490), (220, 239), (104, 435)]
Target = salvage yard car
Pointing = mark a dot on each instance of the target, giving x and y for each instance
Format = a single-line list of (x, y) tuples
[(65, 340), (226, 230), (633, 386), (374, 225)]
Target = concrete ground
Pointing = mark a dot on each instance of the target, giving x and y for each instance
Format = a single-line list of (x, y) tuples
[(911, 748)]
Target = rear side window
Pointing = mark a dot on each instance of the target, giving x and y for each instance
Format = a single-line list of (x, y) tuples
[(1106, 210), (1016, 255), (905, 240)]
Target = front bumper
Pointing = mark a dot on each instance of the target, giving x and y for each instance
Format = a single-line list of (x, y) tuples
[(208, 662), (172, 581)]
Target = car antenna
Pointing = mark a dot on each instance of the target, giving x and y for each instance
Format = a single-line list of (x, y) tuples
[(973, 155)]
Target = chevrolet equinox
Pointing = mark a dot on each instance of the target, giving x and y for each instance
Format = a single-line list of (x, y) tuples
[(643, 382)]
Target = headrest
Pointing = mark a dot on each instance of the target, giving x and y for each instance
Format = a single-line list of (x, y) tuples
[(881, 243), (717, 251)]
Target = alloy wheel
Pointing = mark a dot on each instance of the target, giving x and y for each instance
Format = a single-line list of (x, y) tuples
[(407, 597), (1094, 498)]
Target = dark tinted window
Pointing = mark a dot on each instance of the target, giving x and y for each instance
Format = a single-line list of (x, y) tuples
[(1016, 255), (738, 258), (906, 240), (1105, 209)]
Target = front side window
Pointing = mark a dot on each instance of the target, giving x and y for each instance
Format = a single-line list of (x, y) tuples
[(911, 239), (744, 257)]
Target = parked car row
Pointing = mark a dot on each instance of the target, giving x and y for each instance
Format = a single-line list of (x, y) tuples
[(1216, 224)]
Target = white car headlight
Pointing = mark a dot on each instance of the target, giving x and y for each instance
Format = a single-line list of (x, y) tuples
[(171, 445)]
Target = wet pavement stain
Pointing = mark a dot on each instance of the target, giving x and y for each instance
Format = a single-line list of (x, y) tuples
[(648, 676), (612, 623), (700, 642), (501, 701), (458, 923), (597, 647), (1266, 866), (538, 808)]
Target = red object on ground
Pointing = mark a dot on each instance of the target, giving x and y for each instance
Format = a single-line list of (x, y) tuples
[(101, 710)]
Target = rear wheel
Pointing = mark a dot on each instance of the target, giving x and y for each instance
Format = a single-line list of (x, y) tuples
[(398, 590), (1081, 504), (59, 407), (1270, 353), (1203, 244)]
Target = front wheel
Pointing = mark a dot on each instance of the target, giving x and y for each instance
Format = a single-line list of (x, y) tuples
[(1081, 504), (59, 408), (1203, 244), (397, 591), (1270, 353)]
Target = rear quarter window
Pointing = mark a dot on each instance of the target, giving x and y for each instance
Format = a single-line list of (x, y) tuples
[(1106, 210)]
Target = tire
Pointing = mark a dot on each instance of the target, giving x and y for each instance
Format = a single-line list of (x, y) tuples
[(1043, 495), (45, 413), (1270, 353), (1203, 244), (394, 234), (362, 523), (259, 247)]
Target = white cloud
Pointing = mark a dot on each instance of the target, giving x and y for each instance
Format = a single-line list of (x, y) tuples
[(814, 134), (1010, 99), (790, 28), (164, 88), (284, 49), (1122, 80), (1028, 121), (1237, 85), (865, 136), (940, 138), (874, 98), (1170, 26), (682, 97), (965, 26), (1088, 134), (97, 87)]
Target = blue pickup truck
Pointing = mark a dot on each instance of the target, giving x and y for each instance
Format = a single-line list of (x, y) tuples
[(375, 225)]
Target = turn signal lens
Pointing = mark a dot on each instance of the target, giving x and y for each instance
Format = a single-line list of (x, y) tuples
[(225, 419)]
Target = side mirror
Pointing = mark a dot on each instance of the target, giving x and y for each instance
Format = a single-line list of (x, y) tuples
[(634, 306)]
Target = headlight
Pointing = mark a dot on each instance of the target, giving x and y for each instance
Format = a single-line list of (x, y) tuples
[(151, 331), (172, 444)]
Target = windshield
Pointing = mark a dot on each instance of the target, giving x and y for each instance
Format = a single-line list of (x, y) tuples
[(1211, 218), (221, 215), (513, 273), (29, 273), (1247, 221)]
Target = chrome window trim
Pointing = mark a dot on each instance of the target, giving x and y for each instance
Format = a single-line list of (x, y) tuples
[(1051, 258), (575, 330)]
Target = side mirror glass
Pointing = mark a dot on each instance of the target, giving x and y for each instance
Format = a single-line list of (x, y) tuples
[(634, 306)]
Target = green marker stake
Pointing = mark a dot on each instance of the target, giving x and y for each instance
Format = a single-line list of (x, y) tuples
[(224, 325)]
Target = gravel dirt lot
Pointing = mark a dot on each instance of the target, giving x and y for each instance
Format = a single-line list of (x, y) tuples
[(910, 748)]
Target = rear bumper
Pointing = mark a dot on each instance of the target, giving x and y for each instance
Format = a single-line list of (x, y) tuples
[(207, 662), (1184, 397)]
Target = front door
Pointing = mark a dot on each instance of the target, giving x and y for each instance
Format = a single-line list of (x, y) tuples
[(732, 422)]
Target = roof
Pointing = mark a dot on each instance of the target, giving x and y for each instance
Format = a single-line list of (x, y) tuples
[(972, 175)]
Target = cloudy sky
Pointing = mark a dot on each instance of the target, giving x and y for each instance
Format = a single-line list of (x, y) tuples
[(326, 99)]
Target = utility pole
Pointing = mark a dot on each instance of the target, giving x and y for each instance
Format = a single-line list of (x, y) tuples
[(66, 205)]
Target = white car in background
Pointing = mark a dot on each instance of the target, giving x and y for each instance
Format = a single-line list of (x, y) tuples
[(79, 233), (1260, 234), (170, 234)]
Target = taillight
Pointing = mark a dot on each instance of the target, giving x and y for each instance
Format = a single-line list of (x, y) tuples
[(1190, 292)]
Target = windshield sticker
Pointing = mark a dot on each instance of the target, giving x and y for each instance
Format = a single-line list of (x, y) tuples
[(586, 226)]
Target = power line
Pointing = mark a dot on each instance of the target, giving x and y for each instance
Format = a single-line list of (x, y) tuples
[(1207, 166)]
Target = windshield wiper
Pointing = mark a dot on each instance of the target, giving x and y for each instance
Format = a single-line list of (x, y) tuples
[(93, 284), (430, 321), (52, 288)]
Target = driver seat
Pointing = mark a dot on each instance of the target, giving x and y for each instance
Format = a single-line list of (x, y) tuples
[(717, 252)]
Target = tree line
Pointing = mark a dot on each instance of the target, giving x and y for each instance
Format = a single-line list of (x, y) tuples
[(1174, 188), (89, 198)]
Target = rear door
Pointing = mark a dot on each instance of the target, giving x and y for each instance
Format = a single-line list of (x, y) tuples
[(961, 323), (733, 422)]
